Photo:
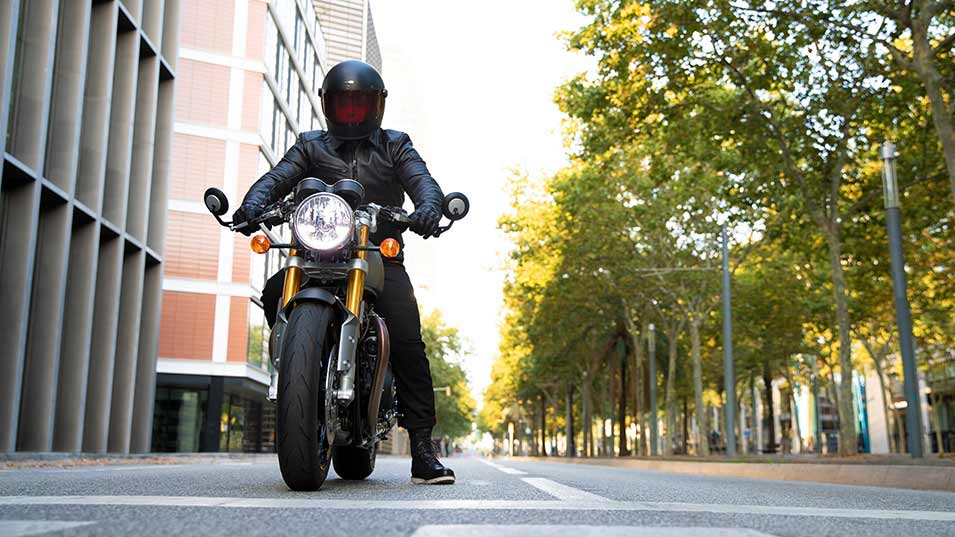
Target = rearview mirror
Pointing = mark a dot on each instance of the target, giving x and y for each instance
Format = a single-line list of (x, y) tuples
[(215, 201), (456, 206)]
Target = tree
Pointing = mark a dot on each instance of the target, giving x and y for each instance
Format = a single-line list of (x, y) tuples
[(793, 95), (454, 410)]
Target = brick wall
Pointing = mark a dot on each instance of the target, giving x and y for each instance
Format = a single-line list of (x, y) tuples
[(187, 325)]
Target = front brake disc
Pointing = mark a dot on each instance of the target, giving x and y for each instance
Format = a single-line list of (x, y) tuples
[(331, 404)]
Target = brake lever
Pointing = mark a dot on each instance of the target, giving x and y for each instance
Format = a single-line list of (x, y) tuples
[(442, 229)]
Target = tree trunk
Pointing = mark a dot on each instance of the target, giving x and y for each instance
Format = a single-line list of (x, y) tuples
[(611, 389), (942, 113), (703, 441), (543, 428), (936, 403), (770, 410), (886, 394), (670, 401), (847, 426), (790, 378), (900, 431), (587, 425), (569, 428), (686, 427), (754, 419), (623, 448), (636, 340), (795, 420), (638, 407)]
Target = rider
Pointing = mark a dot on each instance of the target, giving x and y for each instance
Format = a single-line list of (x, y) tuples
[(387, 165)]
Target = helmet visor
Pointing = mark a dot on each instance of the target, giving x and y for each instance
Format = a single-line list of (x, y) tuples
[(351, 107)]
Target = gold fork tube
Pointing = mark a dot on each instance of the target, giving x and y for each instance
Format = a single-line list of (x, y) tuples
[(293, 280), (356, 277)]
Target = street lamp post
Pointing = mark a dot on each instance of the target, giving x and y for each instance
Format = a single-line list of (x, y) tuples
[(729, 376), (903, 315), (652, 359)]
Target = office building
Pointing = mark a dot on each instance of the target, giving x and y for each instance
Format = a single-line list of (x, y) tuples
[(349, 31), (86, 109), (249, 71)]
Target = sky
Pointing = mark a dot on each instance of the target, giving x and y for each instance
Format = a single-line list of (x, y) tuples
[(472, 83)]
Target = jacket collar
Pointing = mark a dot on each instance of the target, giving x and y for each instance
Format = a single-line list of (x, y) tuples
[(336, 143)]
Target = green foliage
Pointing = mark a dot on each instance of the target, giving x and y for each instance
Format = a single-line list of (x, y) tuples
[(764, 117), (454, 410)]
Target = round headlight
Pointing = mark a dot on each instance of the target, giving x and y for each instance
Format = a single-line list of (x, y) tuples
[(323, 222)]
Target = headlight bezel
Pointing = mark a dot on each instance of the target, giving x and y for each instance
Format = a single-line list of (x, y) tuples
[(309, 241)]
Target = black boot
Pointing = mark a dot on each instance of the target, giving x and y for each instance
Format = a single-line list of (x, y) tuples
[(425, 467)]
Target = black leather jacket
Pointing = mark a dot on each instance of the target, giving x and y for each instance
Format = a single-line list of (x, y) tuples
[(386, 164)]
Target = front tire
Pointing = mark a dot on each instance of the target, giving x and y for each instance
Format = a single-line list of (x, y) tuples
[(354, 463), (303, 448)]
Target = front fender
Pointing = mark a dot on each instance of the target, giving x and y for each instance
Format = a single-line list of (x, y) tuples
[(307, 294), (310, 294)]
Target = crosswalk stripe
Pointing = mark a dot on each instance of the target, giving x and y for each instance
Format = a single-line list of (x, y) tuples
[(601, 504), (563, 492), (23, 528), (518, 530)]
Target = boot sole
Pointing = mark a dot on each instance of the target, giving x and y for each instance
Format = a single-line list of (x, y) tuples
[(443, 480)]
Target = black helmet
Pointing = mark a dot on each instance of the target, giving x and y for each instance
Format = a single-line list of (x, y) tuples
[(353, 100)]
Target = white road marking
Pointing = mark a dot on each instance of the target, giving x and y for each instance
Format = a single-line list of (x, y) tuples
[(512, 471), (128, 468), (474, 530), (22, 528), (495, 505), (563, 492), (505, 469)]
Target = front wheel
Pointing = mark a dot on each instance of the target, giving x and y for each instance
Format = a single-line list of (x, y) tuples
[(303, 447), (354, 463)]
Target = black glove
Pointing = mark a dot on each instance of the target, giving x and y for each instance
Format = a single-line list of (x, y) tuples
[(242, 215), (425, 221)]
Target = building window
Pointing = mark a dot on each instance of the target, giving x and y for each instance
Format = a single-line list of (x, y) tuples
[(258, 347), (240, 425), (177, 419)]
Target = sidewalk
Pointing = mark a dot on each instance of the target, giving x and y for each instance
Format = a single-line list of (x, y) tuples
[(893, 471), (69, 460)]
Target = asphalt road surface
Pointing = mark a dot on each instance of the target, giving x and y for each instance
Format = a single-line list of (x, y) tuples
[(498, 498)]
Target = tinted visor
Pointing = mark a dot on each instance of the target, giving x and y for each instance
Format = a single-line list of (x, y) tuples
[(351, 107)]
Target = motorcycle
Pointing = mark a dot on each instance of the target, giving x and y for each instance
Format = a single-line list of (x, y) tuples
[(331, 376)]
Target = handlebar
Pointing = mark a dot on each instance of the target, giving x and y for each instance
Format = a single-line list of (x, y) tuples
[(455, 207)]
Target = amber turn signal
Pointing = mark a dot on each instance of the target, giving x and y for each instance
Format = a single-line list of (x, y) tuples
[(390, 248), (261, 244)]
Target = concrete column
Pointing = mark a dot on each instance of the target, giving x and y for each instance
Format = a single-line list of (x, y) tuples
[(75, 344), (209, 441), (127, 349), (103, 344)]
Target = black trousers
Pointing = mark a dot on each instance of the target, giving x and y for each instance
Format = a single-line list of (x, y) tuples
[(398, 306)]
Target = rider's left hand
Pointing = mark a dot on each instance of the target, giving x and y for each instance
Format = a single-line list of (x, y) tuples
[(425, 220)]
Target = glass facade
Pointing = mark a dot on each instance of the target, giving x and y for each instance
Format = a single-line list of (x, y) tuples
[(177, 423), (245, 421)]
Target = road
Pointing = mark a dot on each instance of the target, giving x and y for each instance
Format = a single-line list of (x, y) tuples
[(498, 498)]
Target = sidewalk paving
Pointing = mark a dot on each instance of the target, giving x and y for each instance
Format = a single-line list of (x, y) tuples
[(895, 471), (69, 460)]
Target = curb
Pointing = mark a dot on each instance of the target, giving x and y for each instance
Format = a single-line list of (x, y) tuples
[(871, 475)]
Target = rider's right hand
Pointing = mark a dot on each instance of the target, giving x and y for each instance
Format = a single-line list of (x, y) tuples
[(242, 215)]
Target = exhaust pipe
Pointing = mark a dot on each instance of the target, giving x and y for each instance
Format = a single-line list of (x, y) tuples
[(378, 380)]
